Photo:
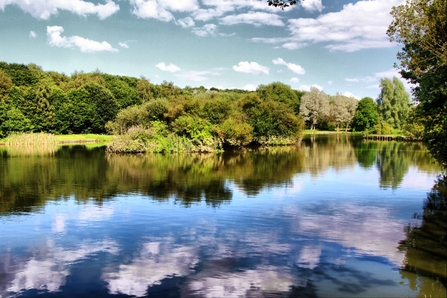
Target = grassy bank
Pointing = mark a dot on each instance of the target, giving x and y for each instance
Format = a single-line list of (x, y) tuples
[(43, 138)]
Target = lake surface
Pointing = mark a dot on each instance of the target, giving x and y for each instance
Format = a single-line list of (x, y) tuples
[(335, 217)]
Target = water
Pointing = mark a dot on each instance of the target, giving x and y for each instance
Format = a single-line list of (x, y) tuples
[(336, 217)]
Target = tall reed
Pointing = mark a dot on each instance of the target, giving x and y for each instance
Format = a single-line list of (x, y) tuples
[(31, 139)]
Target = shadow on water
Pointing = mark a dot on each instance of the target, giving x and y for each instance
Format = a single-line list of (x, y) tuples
[(425, 245)]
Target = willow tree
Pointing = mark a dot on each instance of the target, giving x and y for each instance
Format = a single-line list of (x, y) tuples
[(393, 102), (343, 110), (421, 27), (314, 106)]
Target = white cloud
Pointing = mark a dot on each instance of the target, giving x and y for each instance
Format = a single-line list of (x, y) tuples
[(43, 9), (208, 29), (294, 80), (186, 22), (307, 87), (251, 67), (196, 76), (123, 45), (155, 262), (349, 94), (85, 45), (293, 67), (249, 87), (32, 35), (357, 26), (170, 68), (180, 6), (253, 18), (312, 5), (162, 9), (146, 9)]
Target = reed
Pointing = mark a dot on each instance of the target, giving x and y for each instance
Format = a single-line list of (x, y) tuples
[(37, 139)]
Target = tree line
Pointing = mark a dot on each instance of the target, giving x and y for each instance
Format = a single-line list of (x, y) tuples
[(152, 117)]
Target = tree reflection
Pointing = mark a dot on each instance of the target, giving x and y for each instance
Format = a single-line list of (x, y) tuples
[(395, 158), (28, 181), (425, 246)]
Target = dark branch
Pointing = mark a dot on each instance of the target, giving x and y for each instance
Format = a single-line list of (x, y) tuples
[(281, 3)]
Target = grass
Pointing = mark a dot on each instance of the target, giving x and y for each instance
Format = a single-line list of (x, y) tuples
[(39, 138), (86, 138)]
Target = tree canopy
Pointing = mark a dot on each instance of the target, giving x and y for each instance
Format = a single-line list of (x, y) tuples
[(421, 27)]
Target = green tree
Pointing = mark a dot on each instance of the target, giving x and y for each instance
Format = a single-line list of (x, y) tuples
[(366, 115), (124, 90), (280, 92), (5, 84), (20, 74), (38, 107), (421, 27), (314, 106), (144, 89), (393, 103)]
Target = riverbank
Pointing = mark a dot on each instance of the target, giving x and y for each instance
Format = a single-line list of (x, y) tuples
[(74, 139)]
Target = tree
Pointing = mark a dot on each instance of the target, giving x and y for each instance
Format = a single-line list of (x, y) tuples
[(366, 115), (343, 109), (314, 106), (144, 89), (281, 3), (5, 84), (280, 92), (421, 26), (393, 103)]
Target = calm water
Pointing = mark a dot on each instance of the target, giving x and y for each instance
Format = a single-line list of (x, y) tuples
[(337, 217)]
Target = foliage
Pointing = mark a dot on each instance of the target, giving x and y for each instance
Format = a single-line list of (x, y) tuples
[(393, 103), (343, 110), (314, 106), (279, 92), (366, 115), (421, 27)]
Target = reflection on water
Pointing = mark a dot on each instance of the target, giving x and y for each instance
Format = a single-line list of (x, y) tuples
[(333, 217)]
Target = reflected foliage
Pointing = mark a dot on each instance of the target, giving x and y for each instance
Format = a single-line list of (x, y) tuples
[(425, 245), (28, 178)]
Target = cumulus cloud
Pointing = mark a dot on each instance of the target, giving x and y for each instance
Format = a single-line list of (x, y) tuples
[(251, 67), (249, 87), (32, 35), (208, 29), (253, 18), (44, 9), (360, 25), (312, 5), (293, 67), (162, 9), (150, 9), (294, 80), (357, 26), (170, 68), (349, 94), (85, 45), (186, 22)]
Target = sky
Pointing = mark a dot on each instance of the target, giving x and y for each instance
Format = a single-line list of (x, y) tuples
[(338, 46)]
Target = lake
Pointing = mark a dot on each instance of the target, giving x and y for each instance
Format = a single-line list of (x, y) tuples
[(334, 217)]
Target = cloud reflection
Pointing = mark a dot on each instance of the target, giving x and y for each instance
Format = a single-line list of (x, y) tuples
[(155, 262), (48, 268)]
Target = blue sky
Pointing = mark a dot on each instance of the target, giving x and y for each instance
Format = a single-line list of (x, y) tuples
[(337, 45)]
